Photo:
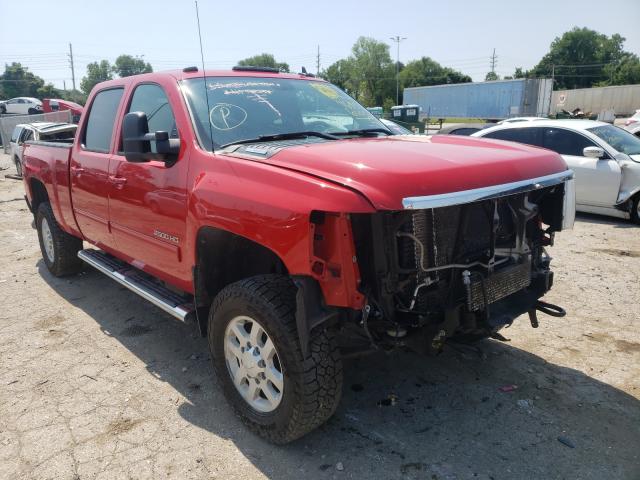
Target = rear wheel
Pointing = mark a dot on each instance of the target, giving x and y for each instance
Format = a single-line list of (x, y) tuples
[(59, 249), (278, 392), (635, 209), (3, 109)]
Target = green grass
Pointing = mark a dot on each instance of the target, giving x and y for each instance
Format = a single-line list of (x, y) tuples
[(460, 120)]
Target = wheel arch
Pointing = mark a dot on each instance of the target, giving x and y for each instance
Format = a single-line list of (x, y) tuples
[(39, 193), (222, 258)]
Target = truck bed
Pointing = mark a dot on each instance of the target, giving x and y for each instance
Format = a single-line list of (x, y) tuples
[(49, 162)]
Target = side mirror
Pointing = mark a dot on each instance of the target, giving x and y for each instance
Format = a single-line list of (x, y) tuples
[(593, 152), (137, 141)]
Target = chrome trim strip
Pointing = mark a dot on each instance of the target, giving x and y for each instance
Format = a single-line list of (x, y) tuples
[(485, 193), (179, 312), (569, 205)]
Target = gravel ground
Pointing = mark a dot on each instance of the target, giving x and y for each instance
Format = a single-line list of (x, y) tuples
[(96, 383)]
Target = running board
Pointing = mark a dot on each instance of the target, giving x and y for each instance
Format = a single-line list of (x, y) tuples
[(141, 283)]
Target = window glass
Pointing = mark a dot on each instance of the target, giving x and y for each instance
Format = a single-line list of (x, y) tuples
[(465, 131), (530, 136), (618, 138), (566, 142), (16, 134), (27, 135), (232, 109), (97, 136), (152, 100)]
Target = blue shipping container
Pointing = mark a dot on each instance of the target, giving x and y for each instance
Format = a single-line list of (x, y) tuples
[(489, 100)]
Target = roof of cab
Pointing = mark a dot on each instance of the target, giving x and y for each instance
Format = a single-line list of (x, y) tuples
[(182, 75)]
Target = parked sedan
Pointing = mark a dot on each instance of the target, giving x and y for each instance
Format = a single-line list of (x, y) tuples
[(605, 159), (21, 105), (464, 129), (57, 105)]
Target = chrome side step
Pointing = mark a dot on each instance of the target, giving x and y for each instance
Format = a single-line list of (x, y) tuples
[(141, 283)]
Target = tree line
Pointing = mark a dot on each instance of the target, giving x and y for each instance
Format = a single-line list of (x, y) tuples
[(18, 81), (578, 58)]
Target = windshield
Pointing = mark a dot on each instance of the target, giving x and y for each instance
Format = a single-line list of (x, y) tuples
[(618, 138), (244, 108)]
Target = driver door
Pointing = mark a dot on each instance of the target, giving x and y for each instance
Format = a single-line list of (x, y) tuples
[(597, 179), (148, 200)]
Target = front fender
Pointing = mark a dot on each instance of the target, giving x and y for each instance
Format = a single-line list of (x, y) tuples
[(273, 207), (630, 185)]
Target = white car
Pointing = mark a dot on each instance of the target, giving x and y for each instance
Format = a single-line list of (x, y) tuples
[(520, 119), (21, 105), (604, 158), (42, 131)]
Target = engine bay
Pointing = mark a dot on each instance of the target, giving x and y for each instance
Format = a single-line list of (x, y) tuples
[(463, 270)]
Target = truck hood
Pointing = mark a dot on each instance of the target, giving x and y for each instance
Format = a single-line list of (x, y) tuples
[(388, 169)]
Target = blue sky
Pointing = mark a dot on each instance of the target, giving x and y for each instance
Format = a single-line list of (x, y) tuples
[(460, 34)]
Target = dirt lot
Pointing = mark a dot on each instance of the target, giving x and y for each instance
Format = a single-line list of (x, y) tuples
[(96, 383)]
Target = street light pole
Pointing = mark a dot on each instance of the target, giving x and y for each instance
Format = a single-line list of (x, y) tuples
[(398, 39)]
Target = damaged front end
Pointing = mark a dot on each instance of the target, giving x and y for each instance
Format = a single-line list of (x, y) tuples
[(464, 265)]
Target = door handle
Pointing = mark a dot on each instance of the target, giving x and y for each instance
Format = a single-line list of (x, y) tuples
[(77, 170), (118, 182)]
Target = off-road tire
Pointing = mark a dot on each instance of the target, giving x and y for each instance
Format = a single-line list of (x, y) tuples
[(16, 162), (635, 205), (312, 383), (65, 246)]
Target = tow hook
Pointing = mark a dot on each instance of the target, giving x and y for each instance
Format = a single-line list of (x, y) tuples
[(544, 307)]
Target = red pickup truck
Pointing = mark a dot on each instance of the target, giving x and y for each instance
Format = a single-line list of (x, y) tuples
[(286, 222)]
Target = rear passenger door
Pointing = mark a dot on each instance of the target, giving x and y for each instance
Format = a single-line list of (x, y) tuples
[(597, 179), (89, 168)]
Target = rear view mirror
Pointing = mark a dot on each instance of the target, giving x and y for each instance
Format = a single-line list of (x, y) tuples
[(137, 141), (593, 152)]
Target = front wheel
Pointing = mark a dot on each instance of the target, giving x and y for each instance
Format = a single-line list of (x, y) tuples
[(59, 249), (278, 392), (18, 165), (33, 111), (635, 209)]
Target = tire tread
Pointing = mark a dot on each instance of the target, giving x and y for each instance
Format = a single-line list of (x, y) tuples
[(66, 246), (318, 376)]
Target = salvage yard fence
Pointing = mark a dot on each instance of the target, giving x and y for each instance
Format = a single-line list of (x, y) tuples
[(9, 122)]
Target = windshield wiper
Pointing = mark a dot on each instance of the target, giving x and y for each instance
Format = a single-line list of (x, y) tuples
[(363, 132), (282, 136)]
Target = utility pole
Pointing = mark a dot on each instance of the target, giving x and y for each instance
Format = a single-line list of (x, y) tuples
[(64, 85), (73, 73), (494, 60), (398, 39), (318, 62)]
